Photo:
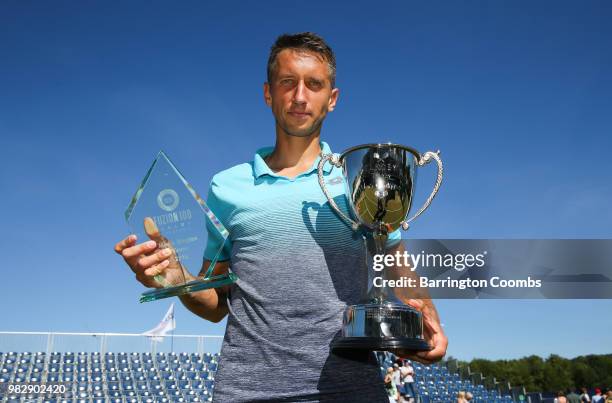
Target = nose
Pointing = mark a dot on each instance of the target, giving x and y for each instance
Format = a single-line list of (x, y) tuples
[(299, 94)]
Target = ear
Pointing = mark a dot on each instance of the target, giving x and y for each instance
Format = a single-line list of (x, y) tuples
[(333, 98), (267, 95)]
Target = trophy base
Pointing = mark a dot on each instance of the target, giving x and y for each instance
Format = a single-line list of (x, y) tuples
[(382, 326), (192, 286), (377, 344)]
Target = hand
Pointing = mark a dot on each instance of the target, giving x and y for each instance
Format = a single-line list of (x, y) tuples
[(432, 331), (153, 262)]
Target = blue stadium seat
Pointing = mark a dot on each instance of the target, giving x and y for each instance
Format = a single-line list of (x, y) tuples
[(114, 377)]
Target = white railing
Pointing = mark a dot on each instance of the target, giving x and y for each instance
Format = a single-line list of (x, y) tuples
[(107, 342)]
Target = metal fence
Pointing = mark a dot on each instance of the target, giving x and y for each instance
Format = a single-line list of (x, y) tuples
[(108, 342)]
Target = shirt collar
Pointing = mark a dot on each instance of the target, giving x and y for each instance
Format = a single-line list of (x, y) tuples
[(261, 168)]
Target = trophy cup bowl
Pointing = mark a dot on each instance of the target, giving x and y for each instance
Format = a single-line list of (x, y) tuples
[(380, 181)]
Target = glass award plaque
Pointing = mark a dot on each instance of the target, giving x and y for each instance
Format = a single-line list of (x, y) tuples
[(167, 201)]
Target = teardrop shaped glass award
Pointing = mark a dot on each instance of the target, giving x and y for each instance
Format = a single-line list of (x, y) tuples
[(167, 204)]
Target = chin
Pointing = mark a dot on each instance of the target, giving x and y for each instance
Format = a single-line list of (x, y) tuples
[(299, 133)]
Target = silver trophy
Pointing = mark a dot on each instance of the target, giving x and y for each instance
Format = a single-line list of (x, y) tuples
[(380, 180)]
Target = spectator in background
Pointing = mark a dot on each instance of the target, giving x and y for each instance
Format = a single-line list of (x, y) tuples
[(560, 397), (397, 377), (609, 396), (584, 397), (572, 396), (461, 397), (390, 386), (469, 396), (407, 378), (597, 396)]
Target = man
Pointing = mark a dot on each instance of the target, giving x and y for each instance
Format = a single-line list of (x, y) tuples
[(397, 377), (597, 396), (572, 396), (407, 373), (298, 264)]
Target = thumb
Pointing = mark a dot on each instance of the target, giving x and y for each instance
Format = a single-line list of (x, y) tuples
[(417, 304), (154, 233), (162, 242)]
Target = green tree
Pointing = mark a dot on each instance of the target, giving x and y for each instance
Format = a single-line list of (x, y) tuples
[(548, 375)]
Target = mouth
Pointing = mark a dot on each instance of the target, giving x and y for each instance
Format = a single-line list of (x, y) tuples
[(298, 114)]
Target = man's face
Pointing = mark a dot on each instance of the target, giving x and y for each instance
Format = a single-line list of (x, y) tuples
[(300, 92)]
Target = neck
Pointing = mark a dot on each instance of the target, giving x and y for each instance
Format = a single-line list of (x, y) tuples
[(294, 155)]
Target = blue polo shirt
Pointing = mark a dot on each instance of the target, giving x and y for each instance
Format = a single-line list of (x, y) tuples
[(298, 266)]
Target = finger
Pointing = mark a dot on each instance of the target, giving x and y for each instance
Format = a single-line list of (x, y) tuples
[(157, 269), (439, 344), (133, 253), (420, 356), (155, 234), (417, 304), (151, 229), (412, 356), (147, 281), (150, 260), (130, 240)]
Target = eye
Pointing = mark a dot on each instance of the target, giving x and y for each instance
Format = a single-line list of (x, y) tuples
[(315, 84), (287, 82)]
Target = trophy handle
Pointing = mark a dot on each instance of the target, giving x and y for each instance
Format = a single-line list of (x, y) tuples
[(335, 161), (424, 160)]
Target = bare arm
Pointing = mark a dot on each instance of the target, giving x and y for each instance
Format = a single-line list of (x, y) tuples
[(209, 304)]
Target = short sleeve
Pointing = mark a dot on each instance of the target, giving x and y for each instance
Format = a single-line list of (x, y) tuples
[(221, 209), (394, 238)]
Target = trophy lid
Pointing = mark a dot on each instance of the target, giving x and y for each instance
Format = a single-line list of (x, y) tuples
[(381, 146)]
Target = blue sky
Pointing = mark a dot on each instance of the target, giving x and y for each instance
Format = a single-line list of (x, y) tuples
[(517, 96)]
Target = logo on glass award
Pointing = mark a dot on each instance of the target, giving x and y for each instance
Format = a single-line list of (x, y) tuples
[(168, 200)]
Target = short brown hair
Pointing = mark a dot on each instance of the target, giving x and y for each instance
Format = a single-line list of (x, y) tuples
[(303, 41)]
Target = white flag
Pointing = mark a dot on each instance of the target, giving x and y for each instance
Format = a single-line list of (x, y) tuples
[(166, 325)]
